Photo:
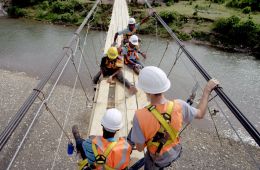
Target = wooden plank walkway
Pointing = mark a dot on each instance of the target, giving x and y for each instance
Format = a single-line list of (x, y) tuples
[(117, 95)]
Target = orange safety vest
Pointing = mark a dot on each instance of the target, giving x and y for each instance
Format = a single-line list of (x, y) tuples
[(150, 125), (118, 155), (129, 34), (130, 51)]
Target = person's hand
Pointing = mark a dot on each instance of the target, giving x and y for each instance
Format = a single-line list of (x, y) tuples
[(213, 83), (114, 44), (110, 79), (144, 55)]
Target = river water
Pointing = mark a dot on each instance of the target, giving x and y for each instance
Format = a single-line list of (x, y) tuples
[(32, 47)]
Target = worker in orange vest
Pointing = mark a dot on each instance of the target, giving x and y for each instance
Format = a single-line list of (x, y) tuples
[(130, 52), (157, 126), (111, 67), (104, 152), (131, 29)]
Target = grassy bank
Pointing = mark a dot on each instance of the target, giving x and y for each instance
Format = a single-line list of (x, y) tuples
[(70, 12), (207, 21), (224, 24)]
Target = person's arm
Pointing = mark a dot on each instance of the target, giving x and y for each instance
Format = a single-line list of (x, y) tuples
[(115, 37), (144, 20), (137, 135), (202, 107), (140, 147), (103, 65), (142, 53)]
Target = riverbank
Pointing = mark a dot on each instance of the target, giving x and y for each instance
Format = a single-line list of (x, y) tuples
[(197, 21), (201, 148)]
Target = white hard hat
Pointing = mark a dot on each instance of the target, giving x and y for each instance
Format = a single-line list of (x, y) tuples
[(134, 40), (153, 80), (112, 120), (131, 21)]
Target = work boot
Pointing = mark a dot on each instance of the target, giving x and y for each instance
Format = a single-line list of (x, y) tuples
[(132, 90), (75, 132)]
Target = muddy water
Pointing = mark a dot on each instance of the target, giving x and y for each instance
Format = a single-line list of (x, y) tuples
[(32, 47)]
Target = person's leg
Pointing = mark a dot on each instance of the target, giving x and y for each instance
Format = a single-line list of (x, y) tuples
[(148, 163), (140, 63), (129, 139), (79, 141), (96, 77), (132, 89), (122, 80)]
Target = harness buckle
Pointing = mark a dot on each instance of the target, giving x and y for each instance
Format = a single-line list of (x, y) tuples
[(150, 108), (167, 117), (100, 159)]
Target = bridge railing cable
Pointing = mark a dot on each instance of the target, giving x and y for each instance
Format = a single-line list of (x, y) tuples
[(228, 102), (15, 121)]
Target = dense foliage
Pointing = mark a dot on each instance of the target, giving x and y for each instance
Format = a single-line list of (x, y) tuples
[(60, 11), (253, 4), (235, 31)]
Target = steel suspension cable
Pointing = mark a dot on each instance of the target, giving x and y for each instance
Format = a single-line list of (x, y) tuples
[(37, 113), (15, 121), (224, 114), (228, 102), (70, 102)]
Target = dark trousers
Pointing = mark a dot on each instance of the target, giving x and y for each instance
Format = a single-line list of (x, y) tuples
[(79, 147), (119, 76)]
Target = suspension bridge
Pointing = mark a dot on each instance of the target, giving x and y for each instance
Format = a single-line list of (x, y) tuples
[(106, 95)]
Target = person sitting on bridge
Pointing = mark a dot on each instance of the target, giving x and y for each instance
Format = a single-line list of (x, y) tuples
[(130, 30), (111, 65), (157, 126), (130, 52), (107, 151)]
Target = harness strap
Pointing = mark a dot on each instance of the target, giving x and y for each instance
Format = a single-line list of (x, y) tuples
[(83, 164), (164, 121), (101, 158)]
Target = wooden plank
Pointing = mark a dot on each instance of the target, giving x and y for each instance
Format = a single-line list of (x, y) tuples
[(99, 108), (141, 96), (128, 105)]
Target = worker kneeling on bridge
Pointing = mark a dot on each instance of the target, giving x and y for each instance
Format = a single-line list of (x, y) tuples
[(104, 152), (111, 66), (157, 126), (130, 52)]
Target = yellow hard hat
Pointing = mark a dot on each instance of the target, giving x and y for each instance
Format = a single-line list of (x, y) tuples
[(112, 53)]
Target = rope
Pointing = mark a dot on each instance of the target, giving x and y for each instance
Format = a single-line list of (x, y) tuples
[(83, 88), (215, 126), (37, 113), (49, 110), (82, 52), (175, 61), (67, 113), (163, 54), (213, 98), (233, 128), (228, 102)]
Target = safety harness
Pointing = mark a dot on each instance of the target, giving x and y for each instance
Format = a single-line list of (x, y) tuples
[(166, 134), (100, 159)]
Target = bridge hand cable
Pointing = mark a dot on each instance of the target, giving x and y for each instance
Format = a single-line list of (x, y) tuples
[(228, 102), (223, 113)]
